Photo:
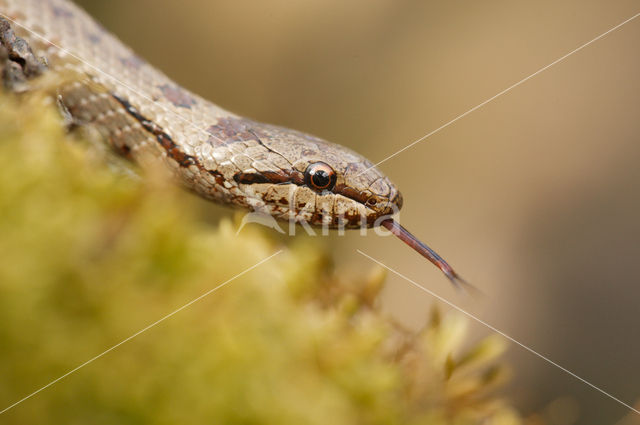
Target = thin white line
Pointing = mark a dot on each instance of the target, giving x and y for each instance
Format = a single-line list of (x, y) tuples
[(141, 331), (498, 331), (503, 92)]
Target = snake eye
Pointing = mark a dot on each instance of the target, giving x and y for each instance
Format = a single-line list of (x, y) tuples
[(320, 176)]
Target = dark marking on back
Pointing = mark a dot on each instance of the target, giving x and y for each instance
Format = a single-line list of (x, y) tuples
[(179, 97), (132, 61), (61, 12), (94, 38), (231, 129)]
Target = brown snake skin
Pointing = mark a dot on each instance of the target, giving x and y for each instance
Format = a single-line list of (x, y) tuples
[(149, 118)]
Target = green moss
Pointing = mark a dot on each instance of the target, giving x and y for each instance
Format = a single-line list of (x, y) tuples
[(88, 257)]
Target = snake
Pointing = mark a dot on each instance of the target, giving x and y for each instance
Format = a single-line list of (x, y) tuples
[(146, 117)]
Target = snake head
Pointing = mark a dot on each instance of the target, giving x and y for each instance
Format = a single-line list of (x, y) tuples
[(297, 176)]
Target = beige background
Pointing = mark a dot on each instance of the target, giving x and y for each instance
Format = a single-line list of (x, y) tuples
[(534, 198)]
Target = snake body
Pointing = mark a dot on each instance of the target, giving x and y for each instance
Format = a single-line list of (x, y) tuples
[(150, 119)]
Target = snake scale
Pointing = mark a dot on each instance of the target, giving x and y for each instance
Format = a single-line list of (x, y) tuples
[(148, 118)]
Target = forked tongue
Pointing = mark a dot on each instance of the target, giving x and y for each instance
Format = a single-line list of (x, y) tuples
[(404, 235)]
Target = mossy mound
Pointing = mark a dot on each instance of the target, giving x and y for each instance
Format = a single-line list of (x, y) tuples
[(89, 257)]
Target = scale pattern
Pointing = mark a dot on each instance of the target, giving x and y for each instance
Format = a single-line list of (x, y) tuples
[(219, 155)]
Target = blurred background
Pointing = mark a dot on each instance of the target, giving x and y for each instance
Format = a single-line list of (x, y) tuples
[(534, 198)]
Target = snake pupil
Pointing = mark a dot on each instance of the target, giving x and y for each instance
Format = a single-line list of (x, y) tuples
[(321, 178)]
